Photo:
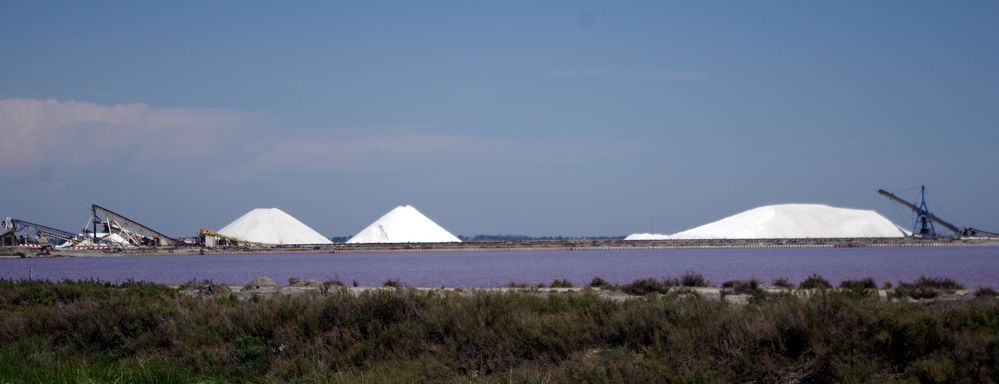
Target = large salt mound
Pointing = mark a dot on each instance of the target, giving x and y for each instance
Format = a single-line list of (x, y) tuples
[(788, 221), (272, 226), (646, 236), (404, 224)]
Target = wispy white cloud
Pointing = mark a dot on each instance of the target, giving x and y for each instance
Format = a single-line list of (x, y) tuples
[(51, 133), (39, 136)]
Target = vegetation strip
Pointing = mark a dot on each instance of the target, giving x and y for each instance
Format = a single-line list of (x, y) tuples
[(137, 332)]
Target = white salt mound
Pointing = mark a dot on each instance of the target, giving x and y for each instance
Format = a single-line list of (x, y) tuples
[(646, 236), (403, 224), (272, 226), (796, 221)]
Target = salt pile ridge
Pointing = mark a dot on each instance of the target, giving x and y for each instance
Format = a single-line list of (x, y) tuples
[(795, 221), (404, 224), (272, 226)]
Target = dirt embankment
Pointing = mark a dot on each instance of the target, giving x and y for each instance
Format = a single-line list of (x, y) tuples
[(527, 245)]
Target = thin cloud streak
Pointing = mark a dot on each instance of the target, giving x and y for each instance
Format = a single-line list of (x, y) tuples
[(87, 139), (76, 135)]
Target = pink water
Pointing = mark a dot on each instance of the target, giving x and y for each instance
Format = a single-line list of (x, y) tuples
[(971, 265)]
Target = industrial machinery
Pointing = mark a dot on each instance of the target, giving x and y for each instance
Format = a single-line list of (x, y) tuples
[(212, 239), (131, 230), (924, 223), (36, 232)]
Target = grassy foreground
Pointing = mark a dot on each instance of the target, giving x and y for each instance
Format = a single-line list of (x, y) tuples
[(135, 332)]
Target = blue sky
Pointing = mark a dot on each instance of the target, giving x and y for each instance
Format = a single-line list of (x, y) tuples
[(553, 118)]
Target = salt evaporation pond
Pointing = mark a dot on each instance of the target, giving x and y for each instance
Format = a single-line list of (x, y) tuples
[(972, 266)]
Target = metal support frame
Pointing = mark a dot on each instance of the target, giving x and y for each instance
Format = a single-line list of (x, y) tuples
[(923, 220)]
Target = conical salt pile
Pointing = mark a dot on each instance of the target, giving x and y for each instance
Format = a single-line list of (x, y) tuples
[(272, 226), (796, 221), (404, 224)]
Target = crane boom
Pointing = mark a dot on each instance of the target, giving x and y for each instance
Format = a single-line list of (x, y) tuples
[(161, 238), (19, 225), (953, 228)]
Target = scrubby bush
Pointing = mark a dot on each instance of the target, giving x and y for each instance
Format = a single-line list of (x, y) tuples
[(642, 287), (861, 287), (193, 284), (598, 282), (563, 283), (206, 288), (514, 284), (904, 290), (926, 288), (814, 282), (861, 284), (331, 284), (692, 279), (782, 282), (985, 292), (394, 283), (937, 283), (742, 287)]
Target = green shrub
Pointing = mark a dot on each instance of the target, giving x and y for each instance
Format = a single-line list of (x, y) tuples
[(646, 286), (861, 284), (563, 283), (206, 288), (394, 283), (985, 292), (742, 287), (598, 282), (782, 282), (814, 282), (861, 287), (691, 279), (904, 290), (926, 288), (937, 283)]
